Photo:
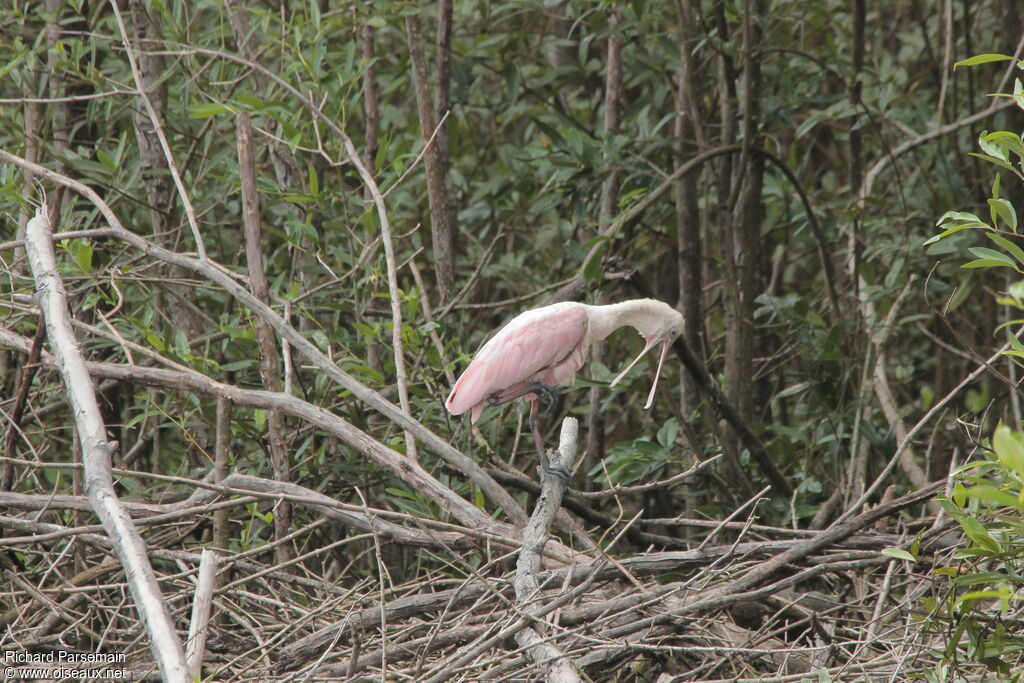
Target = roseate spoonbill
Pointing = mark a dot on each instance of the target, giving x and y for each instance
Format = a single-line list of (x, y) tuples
[(544, 347)]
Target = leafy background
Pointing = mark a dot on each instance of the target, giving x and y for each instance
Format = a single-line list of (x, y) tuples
[(836, 134)]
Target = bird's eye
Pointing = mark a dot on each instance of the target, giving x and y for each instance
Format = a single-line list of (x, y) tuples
[(674, 332)]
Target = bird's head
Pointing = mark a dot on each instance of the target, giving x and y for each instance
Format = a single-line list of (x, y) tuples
[(658, 323)]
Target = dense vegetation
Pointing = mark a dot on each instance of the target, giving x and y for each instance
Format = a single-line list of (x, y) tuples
[(773, 169)]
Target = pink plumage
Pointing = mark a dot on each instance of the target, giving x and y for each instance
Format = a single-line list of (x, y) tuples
[(546, 345)]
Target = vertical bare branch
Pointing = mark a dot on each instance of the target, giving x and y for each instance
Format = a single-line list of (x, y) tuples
[(153, 162), (97, 452), (286, 166), (198, 625), (371, 110), (555, 664), (60, 116), (857, 470), (28, 372), (856, 150), (220, 469), (441, 89), (158, 130), (609, 204), (730, 245), (441, 214), (612, 115), (371, 97), (151, 157), (270, 368), (687, 130)]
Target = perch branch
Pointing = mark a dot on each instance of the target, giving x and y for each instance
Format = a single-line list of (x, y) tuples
[(97, 451), (551, 660)]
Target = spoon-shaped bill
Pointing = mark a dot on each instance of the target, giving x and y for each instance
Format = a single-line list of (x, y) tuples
[(657, 374), (650, 345)]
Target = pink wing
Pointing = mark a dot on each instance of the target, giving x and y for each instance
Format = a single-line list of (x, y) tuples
[(546, 344)]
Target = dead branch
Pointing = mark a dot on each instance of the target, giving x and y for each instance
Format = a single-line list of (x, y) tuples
[(197, 626), (269, 358), (97, 451), (221, 277), (546, 656), (404, 468)]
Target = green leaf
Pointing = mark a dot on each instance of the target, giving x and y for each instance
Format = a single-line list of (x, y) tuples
[(237, 365), (986, 253), (915, 546), (668, 433), (794, 389), (991, 148), (155, 340), (136, 419), (985, 263), (995, 160), (978, 595), (1007, 140), (206, 110), (81, 252), (592, 268), (251, 101), (981, 59), (314, 13), (959, 216), (1008, 449), (1006, 244), (977, 532), (898, 554), (314, 182), (947, 233), (181, 346), (990, 494), (1003, 209)]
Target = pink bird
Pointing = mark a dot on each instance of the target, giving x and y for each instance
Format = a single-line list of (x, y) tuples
[(544, 347)]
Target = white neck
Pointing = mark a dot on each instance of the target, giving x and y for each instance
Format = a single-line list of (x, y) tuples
[(606, 319)]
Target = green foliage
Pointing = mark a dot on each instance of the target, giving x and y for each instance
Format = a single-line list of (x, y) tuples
[(528, 155), (640, 459), (987, 499)]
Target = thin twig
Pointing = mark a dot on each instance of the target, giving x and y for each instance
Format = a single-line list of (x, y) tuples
[(218, 275), (190, 212)]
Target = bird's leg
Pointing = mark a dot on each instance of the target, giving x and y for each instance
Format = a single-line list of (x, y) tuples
[(545, 464), (542, 391)]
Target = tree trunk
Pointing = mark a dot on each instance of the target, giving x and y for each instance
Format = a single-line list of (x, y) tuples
[(435, 159), (265, 338)]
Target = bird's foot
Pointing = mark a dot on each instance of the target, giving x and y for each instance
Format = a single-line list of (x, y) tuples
[(557, 471), (543, 392), (546, 395)]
